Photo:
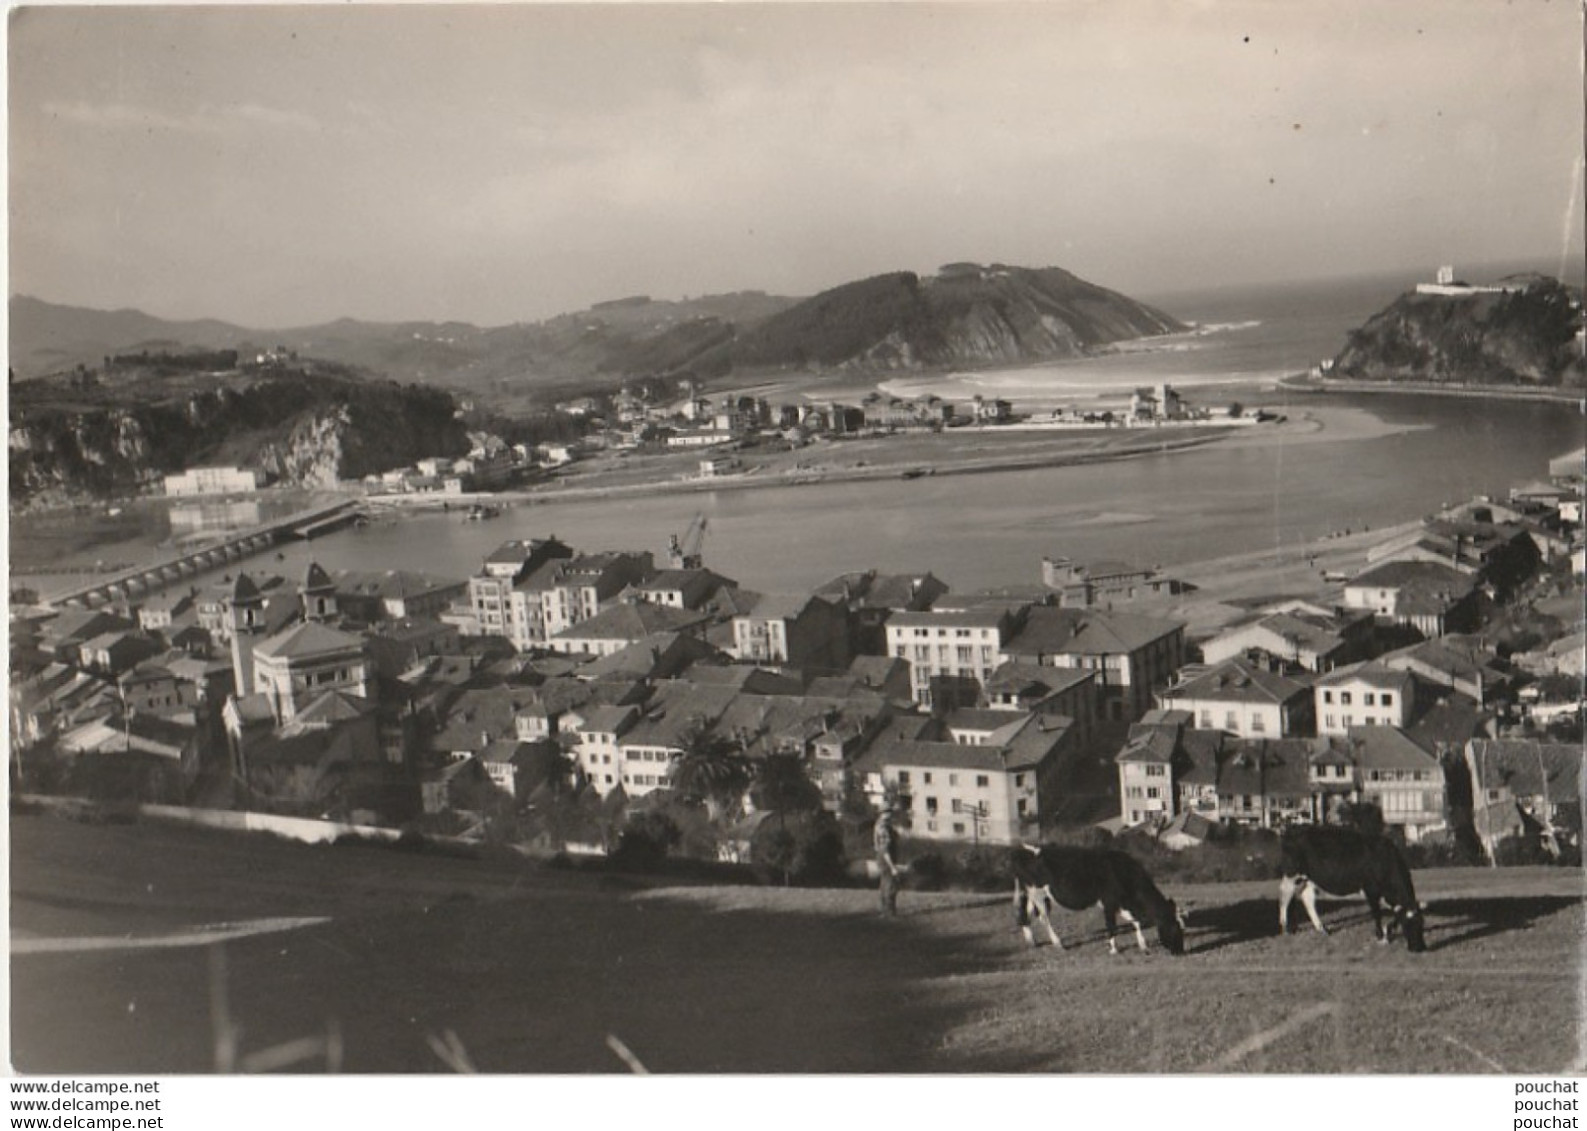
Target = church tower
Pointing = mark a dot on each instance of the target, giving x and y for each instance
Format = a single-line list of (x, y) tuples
[(246, 610), (318, 595)]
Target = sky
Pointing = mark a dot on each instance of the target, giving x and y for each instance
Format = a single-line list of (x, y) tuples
[(284, 165)]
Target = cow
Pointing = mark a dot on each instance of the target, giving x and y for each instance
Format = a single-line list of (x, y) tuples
[(1343, 861), (1079, 878)]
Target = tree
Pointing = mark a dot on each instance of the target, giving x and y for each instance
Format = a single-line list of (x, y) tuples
[(783, 786), (1236, 410), (711, 770)]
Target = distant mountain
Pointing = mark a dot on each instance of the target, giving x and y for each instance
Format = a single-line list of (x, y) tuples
[(47, 338), (964, 316), (507, 366), (1519, 332)]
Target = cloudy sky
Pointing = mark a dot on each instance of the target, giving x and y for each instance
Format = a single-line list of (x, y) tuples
[(281, 165)]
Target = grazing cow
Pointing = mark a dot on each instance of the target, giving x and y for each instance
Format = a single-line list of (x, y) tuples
[(1078, 878), (1341, 862)]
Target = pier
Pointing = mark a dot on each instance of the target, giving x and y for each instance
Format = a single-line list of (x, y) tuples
[(135, 580)]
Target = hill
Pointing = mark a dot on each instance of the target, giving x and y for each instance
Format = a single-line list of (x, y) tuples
[(508, 367), (1523, 334), (964, 316), (121, 427)]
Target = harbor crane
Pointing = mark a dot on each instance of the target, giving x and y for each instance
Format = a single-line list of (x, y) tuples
[(683, 552)]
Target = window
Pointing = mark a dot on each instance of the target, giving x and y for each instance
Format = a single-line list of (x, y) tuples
[(1133, 791), (1019, 779), (953, 779), (931, 806), (926, 777), (982, 781), (1328, 696), (1328, 720), (1258, 724), (1231, 721), (1367, 699), (1156, 771), (1206, 719), (1344, 698), (1349, 721), (1153, 791), (966, 653), (958, 828), (903, 777), (1386, 699)]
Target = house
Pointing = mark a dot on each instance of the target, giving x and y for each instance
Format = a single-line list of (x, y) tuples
[(1132, 656), (1147, 768), (1429, 596), (1265, 782), (1464, 665), (1521, 786), (114, 652), (160, 611), (214, 481), (308, 761), (498, 603), (1087, 584), (951, 653), (570, 590), (596, 731), (395, 594), (1400, 778), (1312, 641), (152, 689), (395, 646), (517, 768), (994, 791), (661, 655), (871, 598), (681, 588), (802, 632), (1243, 699), (615, 628), (1369, 693), (1016, 686)]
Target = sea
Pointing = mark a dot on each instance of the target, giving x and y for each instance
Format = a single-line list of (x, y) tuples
[(991, 530)]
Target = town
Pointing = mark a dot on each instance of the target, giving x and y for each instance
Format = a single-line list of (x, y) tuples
[(566, 698)]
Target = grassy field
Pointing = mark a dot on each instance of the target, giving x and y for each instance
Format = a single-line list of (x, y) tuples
[(533, 969)]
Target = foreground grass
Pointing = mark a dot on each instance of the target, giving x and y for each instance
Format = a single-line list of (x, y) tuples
[(533, 969)]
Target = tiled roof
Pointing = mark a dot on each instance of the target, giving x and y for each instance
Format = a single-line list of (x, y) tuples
[(307, 639), (631, 622), (1049, 631), (1525, 767), (1372, 672), (1386, 748), (1238, 681)]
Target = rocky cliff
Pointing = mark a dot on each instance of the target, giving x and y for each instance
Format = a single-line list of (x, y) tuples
[(71, 437), (1523, 335)]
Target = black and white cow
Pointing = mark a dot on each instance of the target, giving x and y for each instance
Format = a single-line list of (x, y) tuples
[(1079, 878), (1342, 862)]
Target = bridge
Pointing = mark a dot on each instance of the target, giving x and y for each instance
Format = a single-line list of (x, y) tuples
[(128, 583)]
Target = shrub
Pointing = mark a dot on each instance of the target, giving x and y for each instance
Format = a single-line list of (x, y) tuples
[(805, 849), (645, 840)]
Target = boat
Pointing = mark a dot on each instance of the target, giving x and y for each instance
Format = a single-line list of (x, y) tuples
[(917, 472), (481, 511)]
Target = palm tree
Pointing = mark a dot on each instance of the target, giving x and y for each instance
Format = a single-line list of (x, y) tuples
[(709, 769)]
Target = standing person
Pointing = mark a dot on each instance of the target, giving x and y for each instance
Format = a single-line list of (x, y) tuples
[(886, 841)]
